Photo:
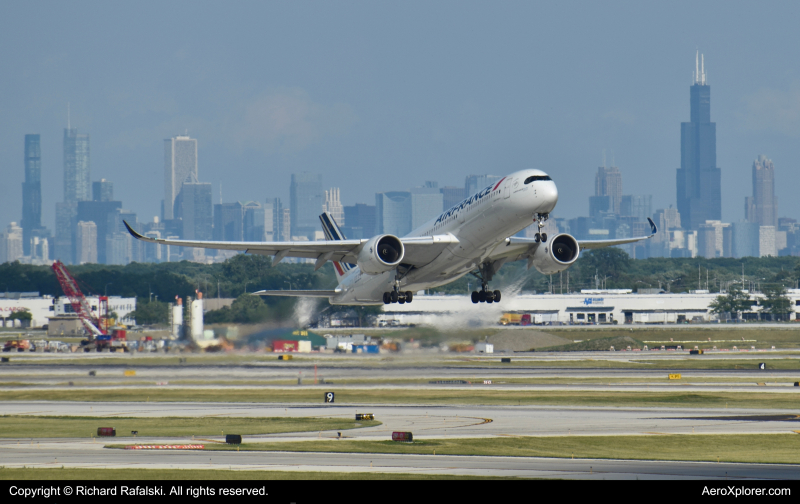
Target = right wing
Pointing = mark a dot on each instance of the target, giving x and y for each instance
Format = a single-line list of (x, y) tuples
[(339, 250), (419, 250)]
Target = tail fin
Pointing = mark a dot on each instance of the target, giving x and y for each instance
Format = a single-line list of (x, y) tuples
[(332, 232)]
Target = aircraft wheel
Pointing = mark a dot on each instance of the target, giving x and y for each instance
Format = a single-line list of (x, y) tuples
[(544, 237), (497, 296), (489, 297), (482, 296), (386, 298), (409, 296), (475, 297), (394, 296), (536, 237), (401, 299)]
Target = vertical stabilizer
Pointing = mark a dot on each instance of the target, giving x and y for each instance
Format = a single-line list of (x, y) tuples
[(332, 232)]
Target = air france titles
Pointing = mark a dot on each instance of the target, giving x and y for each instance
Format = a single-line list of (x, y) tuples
[(465, 203)]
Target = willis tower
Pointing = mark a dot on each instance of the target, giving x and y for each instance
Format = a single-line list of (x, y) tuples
[(698, 181)]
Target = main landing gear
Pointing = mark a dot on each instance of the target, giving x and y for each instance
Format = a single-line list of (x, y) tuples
[(396, 296), (486, 272), (485, 296), (540, 220)]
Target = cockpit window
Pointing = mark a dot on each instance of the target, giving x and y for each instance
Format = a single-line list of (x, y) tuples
[(537, 177)]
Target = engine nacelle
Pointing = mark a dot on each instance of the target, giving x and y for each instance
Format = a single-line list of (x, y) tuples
[(556, 255), (381, 253)]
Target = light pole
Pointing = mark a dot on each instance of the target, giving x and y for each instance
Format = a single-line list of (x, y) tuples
[(150, 289), (245, 286), (288, 282), (105, 290)]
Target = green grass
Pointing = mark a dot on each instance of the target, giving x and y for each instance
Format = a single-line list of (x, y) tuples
[(72, 473), (760, 448), (22, 426), (672, 397)]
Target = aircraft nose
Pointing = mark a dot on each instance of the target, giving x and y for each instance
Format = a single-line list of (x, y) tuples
[(548, 195)]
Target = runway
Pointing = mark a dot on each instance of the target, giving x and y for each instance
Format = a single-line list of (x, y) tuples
[(94, 456), (427, 421)]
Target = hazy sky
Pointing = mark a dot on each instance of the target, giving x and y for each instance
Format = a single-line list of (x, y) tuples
[(382, 96)]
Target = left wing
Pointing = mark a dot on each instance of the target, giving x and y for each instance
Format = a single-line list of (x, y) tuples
[(515, 248), (595, 244)]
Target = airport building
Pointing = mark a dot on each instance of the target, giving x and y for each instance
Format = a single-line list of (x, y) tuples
[(43, 308), (612, 306)]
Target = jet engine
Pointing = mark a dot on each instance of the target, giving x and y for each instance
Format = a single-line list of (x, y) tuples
[(381, 253), (556, 255)]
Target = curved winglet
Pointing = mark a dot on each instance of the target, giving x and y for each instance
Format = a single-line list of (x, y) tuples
[(136, 235), (653, 228)]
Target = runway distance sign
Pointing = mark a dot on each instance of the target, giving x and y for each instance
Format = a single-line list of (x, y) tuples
[(329, 397)]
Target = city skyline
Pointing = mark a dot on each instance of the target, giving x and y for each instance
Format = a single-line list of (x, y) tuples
[(560, 92)]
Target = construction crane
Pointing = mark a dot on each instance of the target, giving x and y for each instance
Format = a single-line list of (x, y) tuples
[(97, 327)]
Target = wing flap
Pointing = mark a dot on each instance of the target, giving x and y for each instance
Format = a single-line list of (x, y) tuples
[(297, 293), (421, 250)]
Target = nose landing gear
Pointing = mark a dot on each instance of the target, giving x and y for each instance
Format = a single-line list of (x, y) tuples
[(540, 220)]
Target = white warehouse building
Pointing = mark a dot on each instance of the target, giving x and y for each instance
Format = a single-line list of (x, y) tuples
[(613, 306)]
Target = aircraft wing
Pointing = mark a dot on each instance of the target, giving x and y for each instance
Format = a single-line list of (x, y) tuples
[(419, 250), (515, 248), (595, 244)]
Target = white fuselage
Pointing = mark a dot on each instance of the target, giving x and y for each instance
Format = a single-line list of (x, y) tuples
[(480, 223)]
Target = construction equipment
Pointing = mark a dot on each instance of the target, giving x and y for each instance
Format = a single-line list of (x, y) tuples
[(18, 345), (101, 337)]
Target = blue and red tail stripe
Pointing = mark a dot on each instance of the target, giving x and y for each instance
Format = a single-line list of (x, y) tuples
[(332, 232)]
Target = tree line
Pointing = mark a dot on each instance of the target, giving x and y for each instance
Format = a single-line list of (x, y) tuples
[(157, 284)]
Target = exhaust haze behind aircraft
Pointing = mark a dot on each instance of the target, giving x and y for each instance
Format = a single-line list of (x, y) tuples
[(474, 237)]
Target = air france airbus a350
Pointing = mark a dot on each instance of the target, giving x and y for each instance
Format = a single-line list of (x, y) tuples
[(474, 237)]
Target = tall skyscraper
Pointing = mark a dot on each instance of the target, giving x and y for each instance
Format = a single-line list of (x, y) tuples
[(393, 212), (426, 203), (86, 242), (698, 178), (258, 222), (608, 182), (31, 192), (11, 244), (360, 220), (306, 200), (98, 212), (452, 196), (229, 222), (180, 164), (66, 222), (474, 183), (277, 219), (762, 207), (333, 205), (102, 190), (195, 209), (76, 166)]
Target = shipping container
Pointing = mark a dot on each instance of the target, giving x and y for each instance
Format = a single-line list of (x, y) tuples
[(371, 349)]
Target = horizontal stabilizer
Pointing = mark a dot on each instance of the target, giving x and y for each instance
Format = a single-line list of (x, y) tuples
[(297, 293)]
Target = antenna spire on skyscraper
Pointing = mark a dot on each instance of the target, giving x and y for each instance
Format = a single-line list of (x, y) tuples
[(699, 69)]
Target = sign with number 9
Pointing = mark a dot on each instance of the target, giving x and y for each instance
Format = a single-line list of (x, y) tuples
[(328, 397)]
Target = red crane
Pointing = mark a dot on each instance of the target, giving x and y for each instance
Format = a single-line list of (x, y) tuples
[(76, 298)]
